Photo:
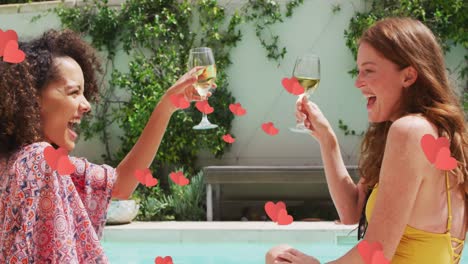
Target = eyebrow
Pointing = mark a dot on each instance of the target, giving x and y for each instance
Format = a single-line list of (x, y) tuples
[(73, 86), (368, 62)]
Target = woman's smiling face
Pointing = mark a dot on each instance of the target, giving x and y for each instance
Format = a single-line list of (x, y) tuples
[(381, 82), (63, 104)]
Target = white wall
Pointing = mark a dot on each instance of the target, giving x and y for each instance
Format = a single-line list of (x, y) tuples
[(256, 84)]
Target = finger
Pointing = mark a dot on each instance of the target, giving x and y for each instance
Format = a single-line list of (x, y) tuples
[(309, 109), (309, 125), (299, 104), (300, 116), (185, 82), (195, 69), (287, 256), (191, 94), (295, 252), (282, 262), (214, 86)]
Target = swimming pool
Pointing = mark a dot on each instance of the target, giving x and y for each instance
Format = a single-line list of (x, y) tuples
[(223, 243), (211, 253)]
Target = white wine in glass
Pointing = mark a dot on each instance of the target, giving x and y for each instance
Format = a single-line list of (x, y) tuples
[(307, 72), (206, 77)]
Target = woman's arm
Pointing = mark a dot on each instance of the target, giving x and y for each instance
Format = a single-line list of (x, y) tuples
[(346, 195), (144, 150)]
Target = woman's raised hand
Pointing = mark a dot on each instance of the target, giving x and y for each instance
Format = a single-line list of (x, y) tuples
[(185, 86), (313, 118)]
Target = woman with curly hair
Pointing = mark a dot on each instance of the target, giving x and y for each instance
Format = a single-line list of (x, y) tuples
[(46, 217), (416, 212)]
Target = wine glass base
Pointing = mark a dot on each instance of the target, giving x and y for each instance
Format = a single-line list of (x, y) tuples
[(300, 130), (205, 126)]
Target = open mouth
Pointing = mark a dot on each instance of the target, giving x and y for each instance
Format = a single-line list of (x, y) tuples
[(73, 128), (371, 101)]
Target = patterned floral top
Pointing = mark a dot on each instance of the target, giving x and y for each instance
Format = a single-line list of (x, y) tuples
[(50, 218)]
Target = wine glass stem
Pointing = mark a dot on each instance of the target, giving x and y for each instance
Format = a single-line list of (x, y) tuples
[(205, 117)]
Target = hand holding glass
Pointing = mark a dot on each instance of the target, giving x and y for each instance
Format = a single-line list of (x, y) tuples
[(307, 72)]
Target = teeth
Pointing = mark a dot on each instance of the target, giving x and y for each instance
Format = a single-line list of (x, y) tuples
[(76, 121)]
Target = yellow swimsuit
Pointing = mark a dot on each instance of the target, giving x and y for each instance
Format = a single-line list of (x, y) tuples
[(422, 247)]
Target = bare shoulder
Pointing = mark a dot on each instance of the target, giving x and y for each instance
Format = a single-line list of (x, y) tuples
[(404, 141), (411, 128)]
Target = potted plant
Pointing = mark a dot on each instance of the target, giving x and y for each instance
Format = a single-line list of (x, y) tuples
[(122, 211)]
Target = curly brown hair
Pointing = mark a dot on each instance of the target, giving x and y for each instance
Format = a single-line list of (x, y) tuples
[(408, 42), (21, 84)]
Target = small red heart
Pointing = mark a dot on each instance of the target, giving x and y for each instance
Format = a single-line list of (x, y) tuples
[(165, 260), (367, 250), (52, 156), (179, 178), (228, 139), (273, 209), (179, 101), (284, 218), (237, 109), (292, 86), (5, 37), (64, 166), (379, 258), (270, 129), (431, 146), (204, 107), (12, 54), (444, 161), (58, 160), (144, 176)]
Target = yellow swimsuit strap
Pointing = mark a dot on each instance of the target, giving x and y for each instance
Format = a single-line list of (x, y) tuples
[(449, 222)]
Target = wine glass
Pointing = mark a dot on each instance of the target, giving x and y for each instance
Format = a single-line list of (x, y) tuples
[(307, 72), (206, 76)]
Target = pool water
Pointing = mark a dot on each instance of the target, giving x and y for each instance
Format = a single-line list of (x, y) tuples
[(219, 253)]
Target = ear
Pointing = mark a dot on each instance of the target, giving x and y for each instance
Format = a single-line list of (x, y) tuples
[(410, 75)]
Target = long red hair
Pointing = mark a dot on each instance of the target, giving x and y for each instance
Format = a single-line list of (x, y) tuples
[(408, 42)]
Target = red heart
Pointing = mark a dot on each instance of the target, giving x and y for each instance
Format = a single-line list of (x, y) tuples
[(12, 54), (379, 258), (284, 218), (179, 178), (52, 156), (5, 37), (273, 209), (58, 160), (292, 86), (270, 129), (367, 250), (64, 166), (237, 109), (204, 107), (431, 146), (165, 260), (179, 101), (144, 176), (228, 139), (444, 161)]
